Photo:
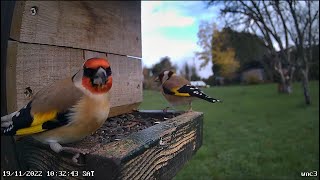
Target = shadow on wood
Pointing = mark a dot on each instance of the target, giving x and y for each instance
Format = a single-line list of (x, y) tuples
[(8, 159)]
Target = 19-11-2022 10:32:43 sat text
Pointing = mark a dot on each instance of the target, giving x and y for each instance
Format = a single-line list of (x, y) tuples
[(47, 173)]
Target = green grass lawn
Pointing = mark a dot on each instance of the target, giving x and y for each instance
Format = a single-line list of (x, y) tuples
[(255, 133)]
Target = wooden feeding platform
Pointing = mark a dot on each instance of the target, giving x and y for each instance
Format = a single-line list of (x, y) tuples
[(138, 145), (49, 40)]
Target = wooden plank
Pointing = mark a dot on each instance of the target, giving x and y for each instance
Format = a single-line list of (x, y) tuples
[(92, 54), (36, 66), (106, 26), (11, 77), (128, 108), (39, 65), (127, 77), (157, 152), (17, 19)]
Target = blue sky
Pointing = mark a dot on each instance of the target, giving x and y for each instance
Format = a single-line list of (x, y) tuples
[(169, 28)]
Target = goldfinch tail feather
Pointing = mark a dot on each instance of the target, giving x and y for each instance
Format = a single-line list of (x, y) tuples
[(6, 120), (196, 92)]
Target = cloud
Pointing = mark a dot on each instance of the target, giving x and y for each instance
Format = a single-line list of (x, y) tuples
[(180, 51), (170, 29), (156, 47), (153, 18), (158, 40)]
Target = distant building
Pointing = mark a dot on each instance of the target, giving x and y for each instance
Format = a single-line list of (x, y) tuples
[(253, 76), (198, 83), (219, 81)]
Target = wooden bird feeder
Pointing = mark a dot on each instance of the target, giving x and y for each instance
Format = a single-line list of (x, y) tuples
[(49, 40)]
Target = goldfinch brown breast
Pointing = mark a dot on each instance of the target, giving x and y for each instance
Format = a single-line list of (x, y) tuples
[(178, 91), (65, 111)]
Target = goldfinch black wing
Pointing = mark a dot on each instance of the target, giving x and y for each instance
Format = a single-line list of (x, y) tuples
[(23, 123), (195, 92), (49, 109)]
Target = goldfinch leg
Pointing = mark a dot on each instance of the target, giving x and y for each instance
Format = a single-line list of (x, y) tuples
[(165, 110), (56, 147), (190, 107)]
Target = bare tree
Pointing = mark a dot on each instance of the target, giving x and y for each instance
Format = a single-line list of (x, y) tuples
[(185, 71), (205, 34), (286, 27)]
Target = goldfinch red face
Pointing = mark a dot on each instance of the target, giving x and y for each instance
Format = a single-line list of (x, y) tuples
[(97, 75)]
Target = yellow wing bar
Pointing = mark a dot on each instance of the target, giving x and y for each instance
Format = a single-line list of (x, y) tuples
[(176, 93), (40, 118), (30, 130), (36, 125)]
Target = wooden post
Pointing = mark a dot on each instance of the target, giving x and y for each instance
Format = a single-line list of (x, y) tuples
[(8, 155)]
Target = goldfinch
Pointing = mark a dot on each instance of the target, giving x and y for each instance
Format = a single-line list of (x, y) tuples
[(65, 111), (178, 91)]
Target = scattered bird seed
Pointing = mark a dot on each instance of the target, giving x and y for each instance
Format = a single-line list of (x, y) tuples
[(119, 127)]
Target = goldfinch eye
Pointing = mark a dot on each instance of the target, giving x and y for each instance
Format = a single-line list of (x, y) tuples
[(88, 72), (108, 71)]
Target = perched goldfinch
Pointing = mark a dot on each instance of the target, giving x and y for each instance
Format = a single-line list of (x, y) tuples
[(65, 111), (178, 91)]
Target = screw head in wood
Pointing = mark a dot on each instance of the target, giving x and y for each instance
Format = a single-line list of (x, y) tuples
[(34, 10)]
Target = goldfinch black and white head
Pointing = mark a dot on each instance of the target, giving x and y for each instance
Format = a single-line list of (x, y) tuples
[(164, 76)]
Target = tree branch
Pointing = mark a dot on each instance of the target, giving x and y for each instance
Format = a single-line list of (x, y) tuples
[(277, 8), (294, 16), (269, 17)]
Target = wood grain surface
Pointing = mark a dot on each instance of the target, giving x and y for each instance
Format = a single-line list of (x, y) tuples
[(36, 66), (105, 26)]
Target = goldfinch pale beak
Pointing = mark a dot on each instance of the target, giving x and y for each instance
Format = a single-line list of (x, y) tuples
[(100, 78)]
